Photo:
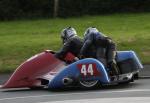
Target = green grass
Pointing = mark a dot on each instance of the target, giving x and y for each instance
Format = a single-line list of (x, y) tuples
[(20, 40)]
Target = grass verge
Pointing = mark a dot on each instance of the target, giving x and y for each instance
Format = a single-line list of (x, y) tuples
[(22, 39)]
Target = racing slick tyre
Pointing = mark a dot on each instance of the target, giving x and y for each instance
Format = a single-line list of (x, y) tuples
[(89, 84)]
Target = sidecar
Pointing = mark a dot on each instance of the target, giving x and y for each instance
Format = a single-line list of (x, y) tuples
[(44, 70)]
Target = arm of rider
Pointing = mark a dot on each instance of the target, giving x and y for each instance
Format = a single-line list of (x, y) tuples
[(64, 50)]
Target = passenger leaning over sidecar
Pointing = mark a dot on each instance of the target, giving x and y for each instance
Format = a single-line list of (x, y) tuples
[(71, 43)]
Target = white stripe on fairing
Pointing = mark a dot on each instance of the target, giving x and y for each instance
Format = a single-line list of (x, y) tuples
[(107, 100), (51, 95)]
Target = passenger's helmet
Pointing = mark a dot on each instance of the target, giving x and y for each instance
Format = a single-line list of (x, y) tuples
[(67, 33), (90, 30)]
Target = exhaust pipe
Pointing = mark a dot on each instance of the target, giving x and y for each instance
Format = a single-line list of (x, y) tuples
[(67, 81)]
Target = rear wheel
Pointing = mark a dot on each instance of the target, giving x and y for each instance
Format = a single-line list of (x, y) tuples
[(88, 83)]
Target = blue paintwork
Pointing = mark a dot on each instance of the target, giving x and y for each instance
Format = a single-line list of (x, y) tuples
[(73, 71), (123, 55)]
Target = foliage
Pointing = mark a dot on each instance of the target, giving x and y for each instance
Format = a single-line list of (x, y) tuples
[(16, 9)]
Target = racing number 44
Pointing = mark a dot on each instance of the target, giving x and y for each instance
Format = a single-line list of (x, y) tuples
[(88, 69)]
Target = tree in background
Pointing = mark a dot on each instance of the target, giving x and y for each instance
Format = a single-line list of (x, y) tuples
[(56, 6), (29, 9)]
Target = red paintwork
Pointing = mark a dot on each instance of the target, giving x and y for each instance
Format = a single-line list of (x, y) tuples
[(69, 57), (37, 66)]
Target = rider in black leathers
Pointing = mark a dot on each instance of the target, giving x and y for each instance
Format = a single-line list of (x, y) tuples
[(104, 48), (71, 43)]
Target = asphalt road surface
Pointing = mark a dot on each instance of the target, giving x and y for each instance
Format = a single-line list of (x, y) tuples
[(136, 92)]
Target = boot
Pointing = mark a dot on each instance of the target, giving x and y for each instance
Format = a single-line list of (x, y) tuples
[(115, 70)]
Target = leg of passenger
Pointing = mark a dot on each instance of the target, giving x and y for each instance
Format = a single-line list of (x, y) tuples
[(111, 54), (101, 55)]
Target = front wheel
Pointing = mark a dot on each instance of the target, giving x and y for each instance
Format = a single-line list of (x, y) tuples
[(89, 83)]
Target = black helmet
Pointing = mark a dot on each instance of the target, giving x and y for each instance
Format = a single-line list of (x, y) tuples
[(67, 33)]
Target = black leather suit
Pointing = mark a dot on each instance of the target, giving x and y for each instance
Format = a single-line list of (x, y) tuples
[(72, 45)]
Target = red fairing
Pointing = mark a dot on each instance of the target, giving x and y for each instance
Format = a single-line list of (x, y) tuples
[(27, 73)]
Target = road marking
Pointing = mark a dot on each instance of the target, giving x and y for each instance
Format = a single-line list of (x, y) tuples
[(51, 95), (107, 100)]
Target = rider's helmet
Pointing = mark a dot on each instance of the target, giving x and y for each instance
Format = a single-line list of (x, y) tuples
[(67, 33), (90, 30)]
